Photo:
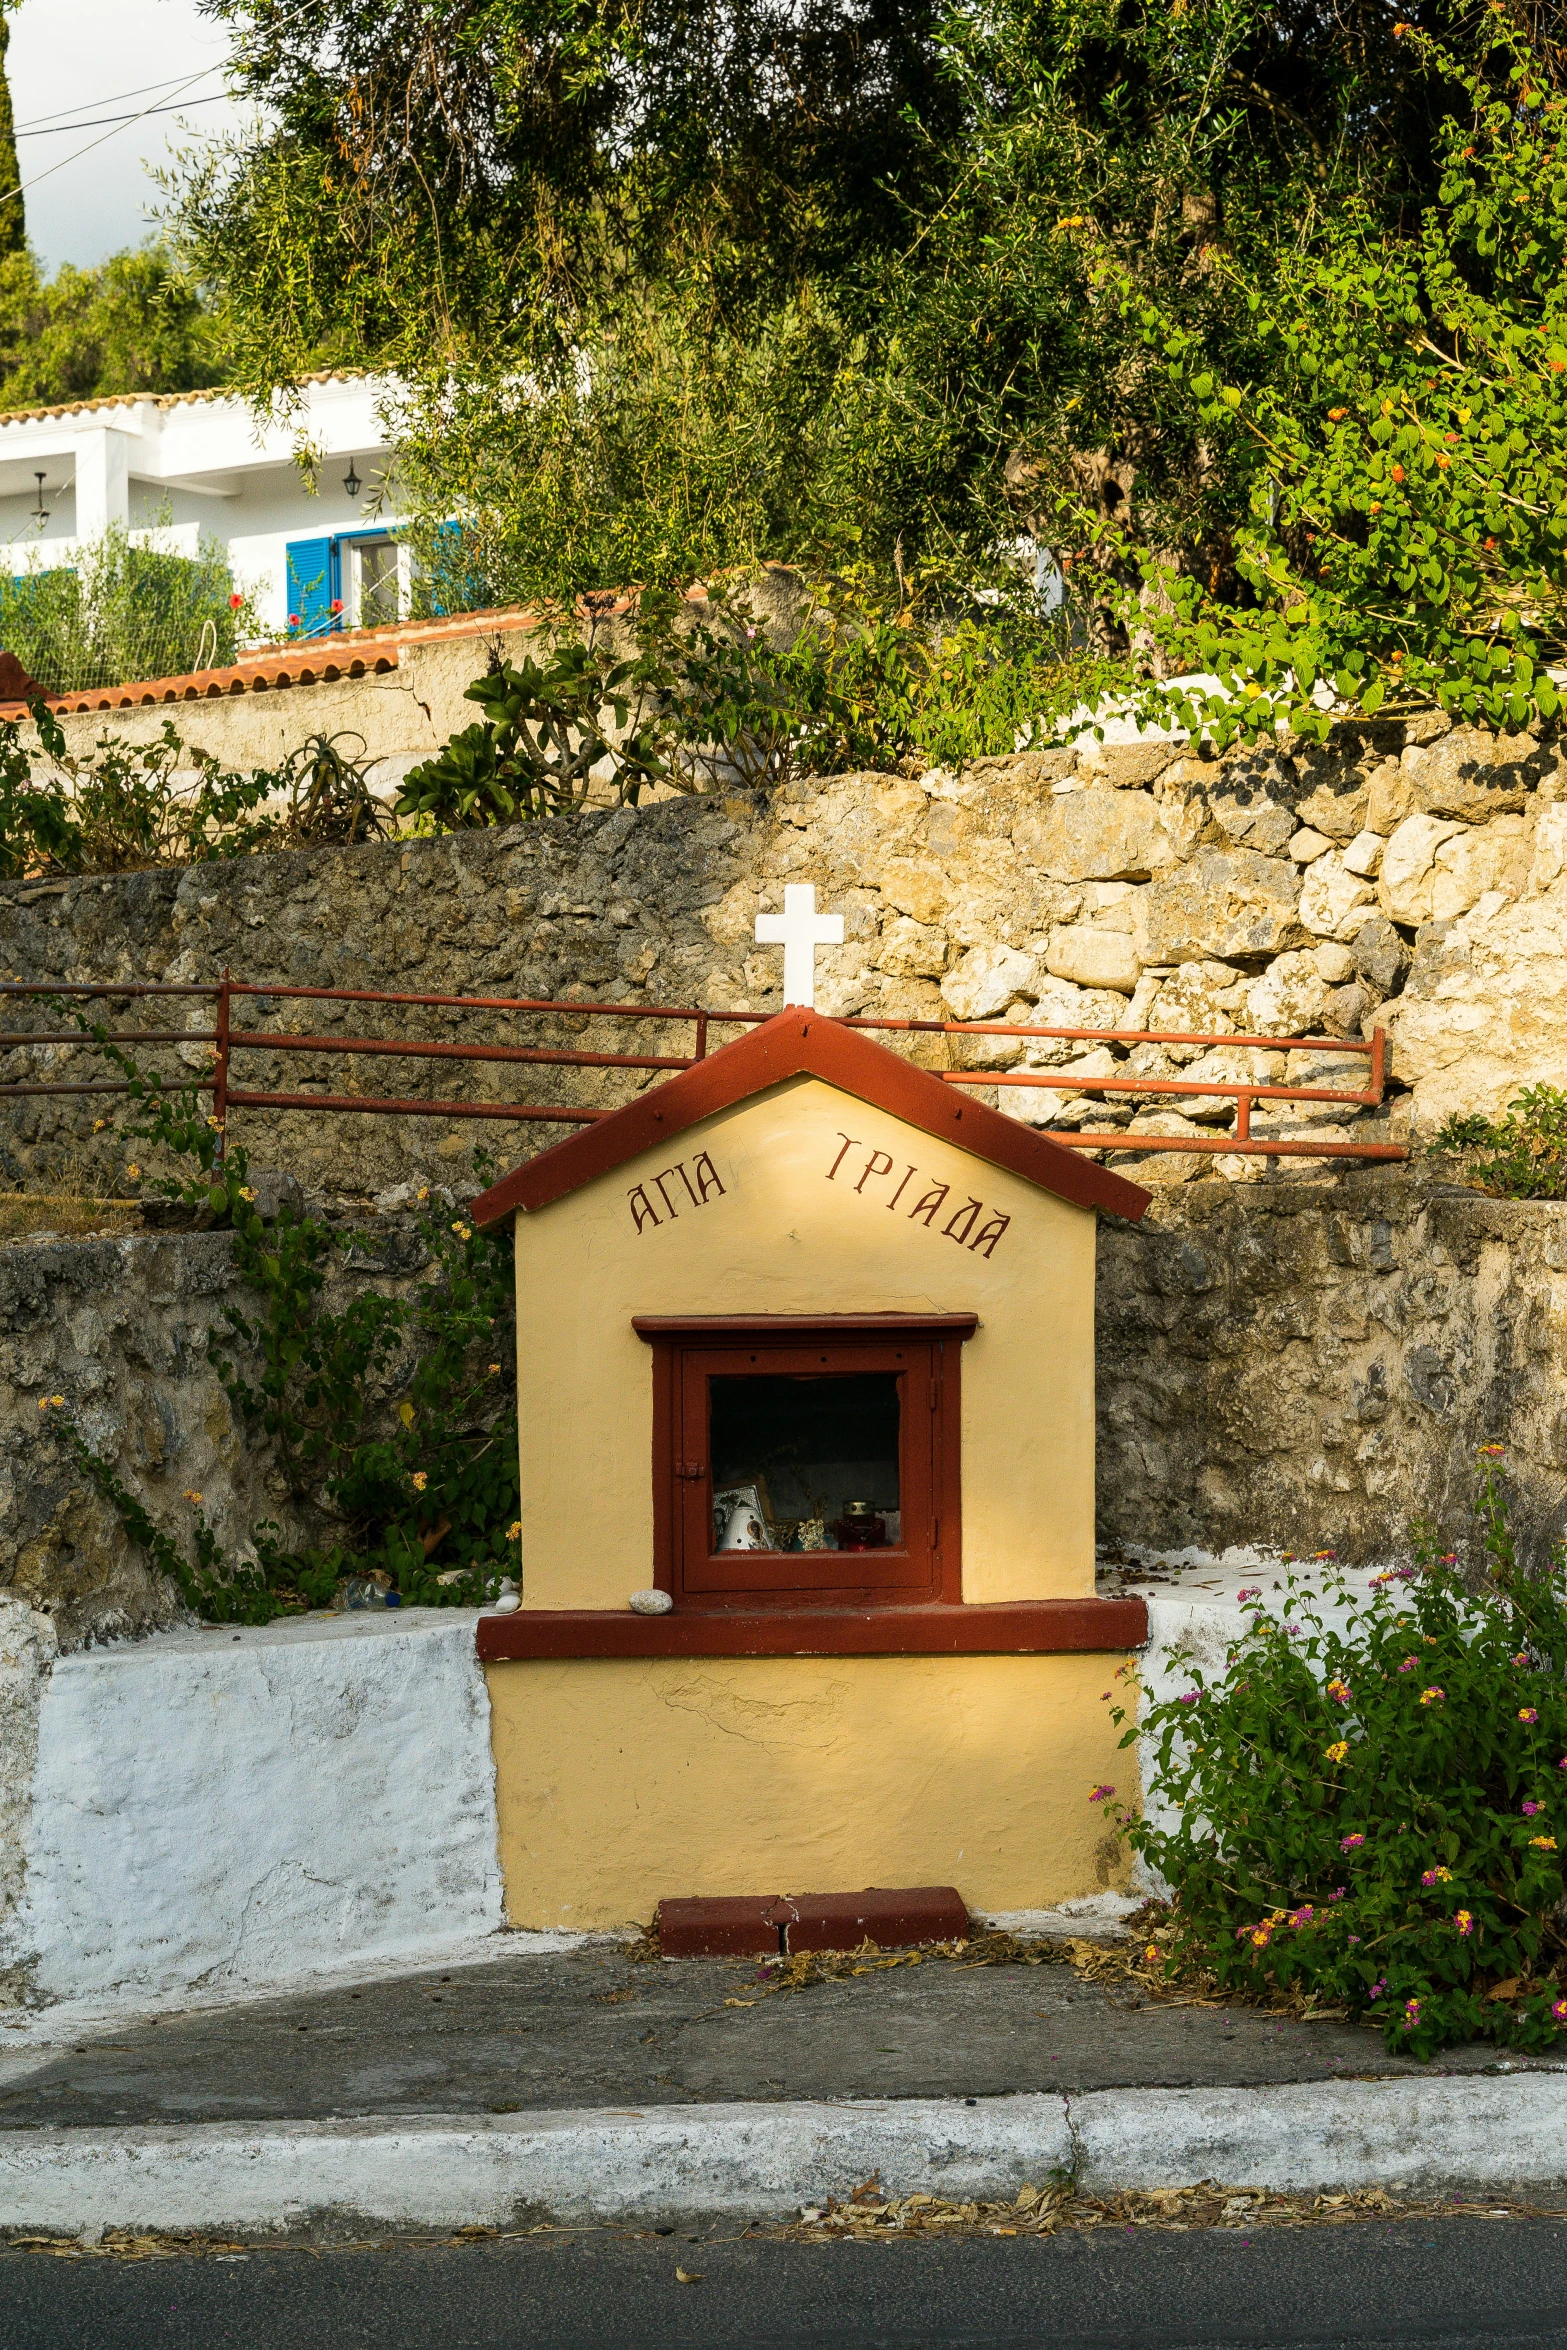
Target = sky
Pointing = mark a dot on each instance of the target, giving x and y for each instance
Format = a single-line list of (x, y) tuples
[(75, 59)]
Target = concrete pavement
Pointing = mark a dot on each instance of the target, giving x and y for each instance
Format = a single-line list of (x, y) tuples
[(588, 2085)]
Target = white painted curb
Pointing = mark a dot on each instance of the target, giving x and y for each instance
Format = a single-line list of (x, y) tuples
[(758, 2161), (1433, 2133), (745, 2159)]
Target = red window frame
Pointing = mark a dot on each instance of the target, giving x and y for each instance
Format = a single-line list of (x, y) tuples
[(923, 1350)]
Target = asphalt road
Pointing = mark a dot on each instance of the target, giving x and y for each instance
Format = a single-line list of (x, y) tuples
[(1443, 2285)]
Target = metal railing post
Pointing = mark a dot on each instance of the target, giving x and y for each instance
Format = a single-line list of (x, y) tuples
[(220, 1090)]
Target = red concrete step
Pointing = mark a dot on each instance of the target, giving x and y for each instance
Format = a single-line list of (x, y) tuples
[(734, 1927), (892, 1917), (763, 1925)]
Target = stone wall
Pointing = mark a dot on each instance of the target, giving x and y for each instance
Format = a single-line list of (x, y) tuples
[(1312, 1366), (1302, 1366), (1400, 874), (1284, 1359), (119, 1327)]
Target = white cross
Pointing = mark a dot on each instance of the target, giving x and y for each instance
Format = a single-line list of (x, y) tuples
[(799, 930)]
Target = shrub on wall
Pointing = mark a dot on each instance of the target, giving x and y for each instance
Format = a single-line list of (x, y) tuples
[(1371, 1801), (129, 806), (121, 611), (708, 695), (1525, 1152)]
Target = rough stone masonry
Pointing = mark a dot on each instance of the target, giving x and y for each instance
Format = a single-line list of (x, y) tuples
[(1284, 1358)]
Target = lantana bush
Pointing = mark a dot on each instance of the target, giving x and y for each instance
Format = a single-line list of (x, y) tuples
[(1371, 1798)]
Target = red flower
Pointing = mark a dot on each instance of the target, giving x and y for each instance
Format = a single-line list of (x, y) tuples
[(337, 603), (293, 620), (235, 602)]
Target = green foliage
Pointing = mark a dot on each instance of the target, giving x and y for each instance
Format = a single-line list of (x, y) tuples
[(133, 323), (13, 217), (37, 829), (122, 809), (546, 725), (122, 611), (133, 805), (675, 291), (1400, 435), (323, 790), (1371, 1797), (1528, 1146), (710, 694), (929, 673), (381, 1413)]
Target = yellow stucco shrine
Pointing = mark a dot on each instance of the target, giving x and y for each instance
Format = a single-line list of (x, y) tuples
[(805, 1370)]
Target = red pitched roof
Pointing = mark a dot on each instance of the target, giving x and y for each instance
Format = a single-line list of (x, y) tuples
[(315, 660), (807, 1044)]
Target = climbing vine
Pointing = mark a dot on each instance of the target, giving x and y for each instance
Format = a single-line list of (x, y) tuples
[(395, 1416)]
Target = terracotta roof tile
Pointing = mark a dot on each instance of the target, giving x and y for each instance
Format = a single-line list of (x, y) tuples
[(324, 375), (351, 652), (354, 652)]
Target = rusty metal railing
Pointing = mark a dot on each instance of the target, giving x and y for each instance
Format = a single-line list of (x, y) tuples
[(228, 1041)]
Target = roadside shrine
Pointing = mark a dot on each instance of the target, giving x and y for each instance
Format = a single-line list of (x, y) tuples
[(805, 1363)]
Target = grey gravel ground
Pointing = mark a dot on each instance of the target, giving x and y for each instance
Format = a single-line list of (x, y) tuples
[(1450, 2284), (594, 2028)]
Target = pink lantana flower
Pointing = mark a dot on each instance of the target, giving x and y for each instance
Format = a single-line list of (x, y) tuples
[(1350, 1843), (1100, 1794)]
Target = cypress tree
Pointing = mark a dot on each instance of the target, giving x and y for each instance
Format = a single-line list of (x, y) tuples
[(13, 216)]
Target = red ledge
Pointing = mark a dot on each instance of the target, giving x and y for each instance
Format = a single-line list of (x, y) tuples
[(1039, 1627)]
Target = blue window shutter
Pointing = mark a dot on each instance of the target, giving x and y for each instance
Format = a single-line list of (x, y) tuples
[(455, 586), (314, 572)]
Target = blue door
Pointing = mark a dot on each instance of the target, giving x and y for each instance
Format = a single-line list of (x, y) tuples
[(314, 585)]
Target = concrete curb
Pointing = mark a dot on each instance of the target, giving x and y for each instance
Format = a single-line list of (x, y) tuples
[(1424, 2135), (761, 2161), (750, 2160)]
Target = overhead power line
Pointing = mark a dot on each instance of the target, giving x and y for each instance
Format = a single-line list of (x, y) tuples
[(110, 98), (93, 120), (189, 83)]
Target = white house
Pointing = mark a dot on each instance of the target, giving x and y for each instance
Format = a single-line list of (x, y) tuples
[(185, 465)]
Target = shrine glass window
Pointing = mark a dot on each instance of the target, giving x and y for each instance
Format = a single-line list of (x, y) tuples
[(806, 1463)]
